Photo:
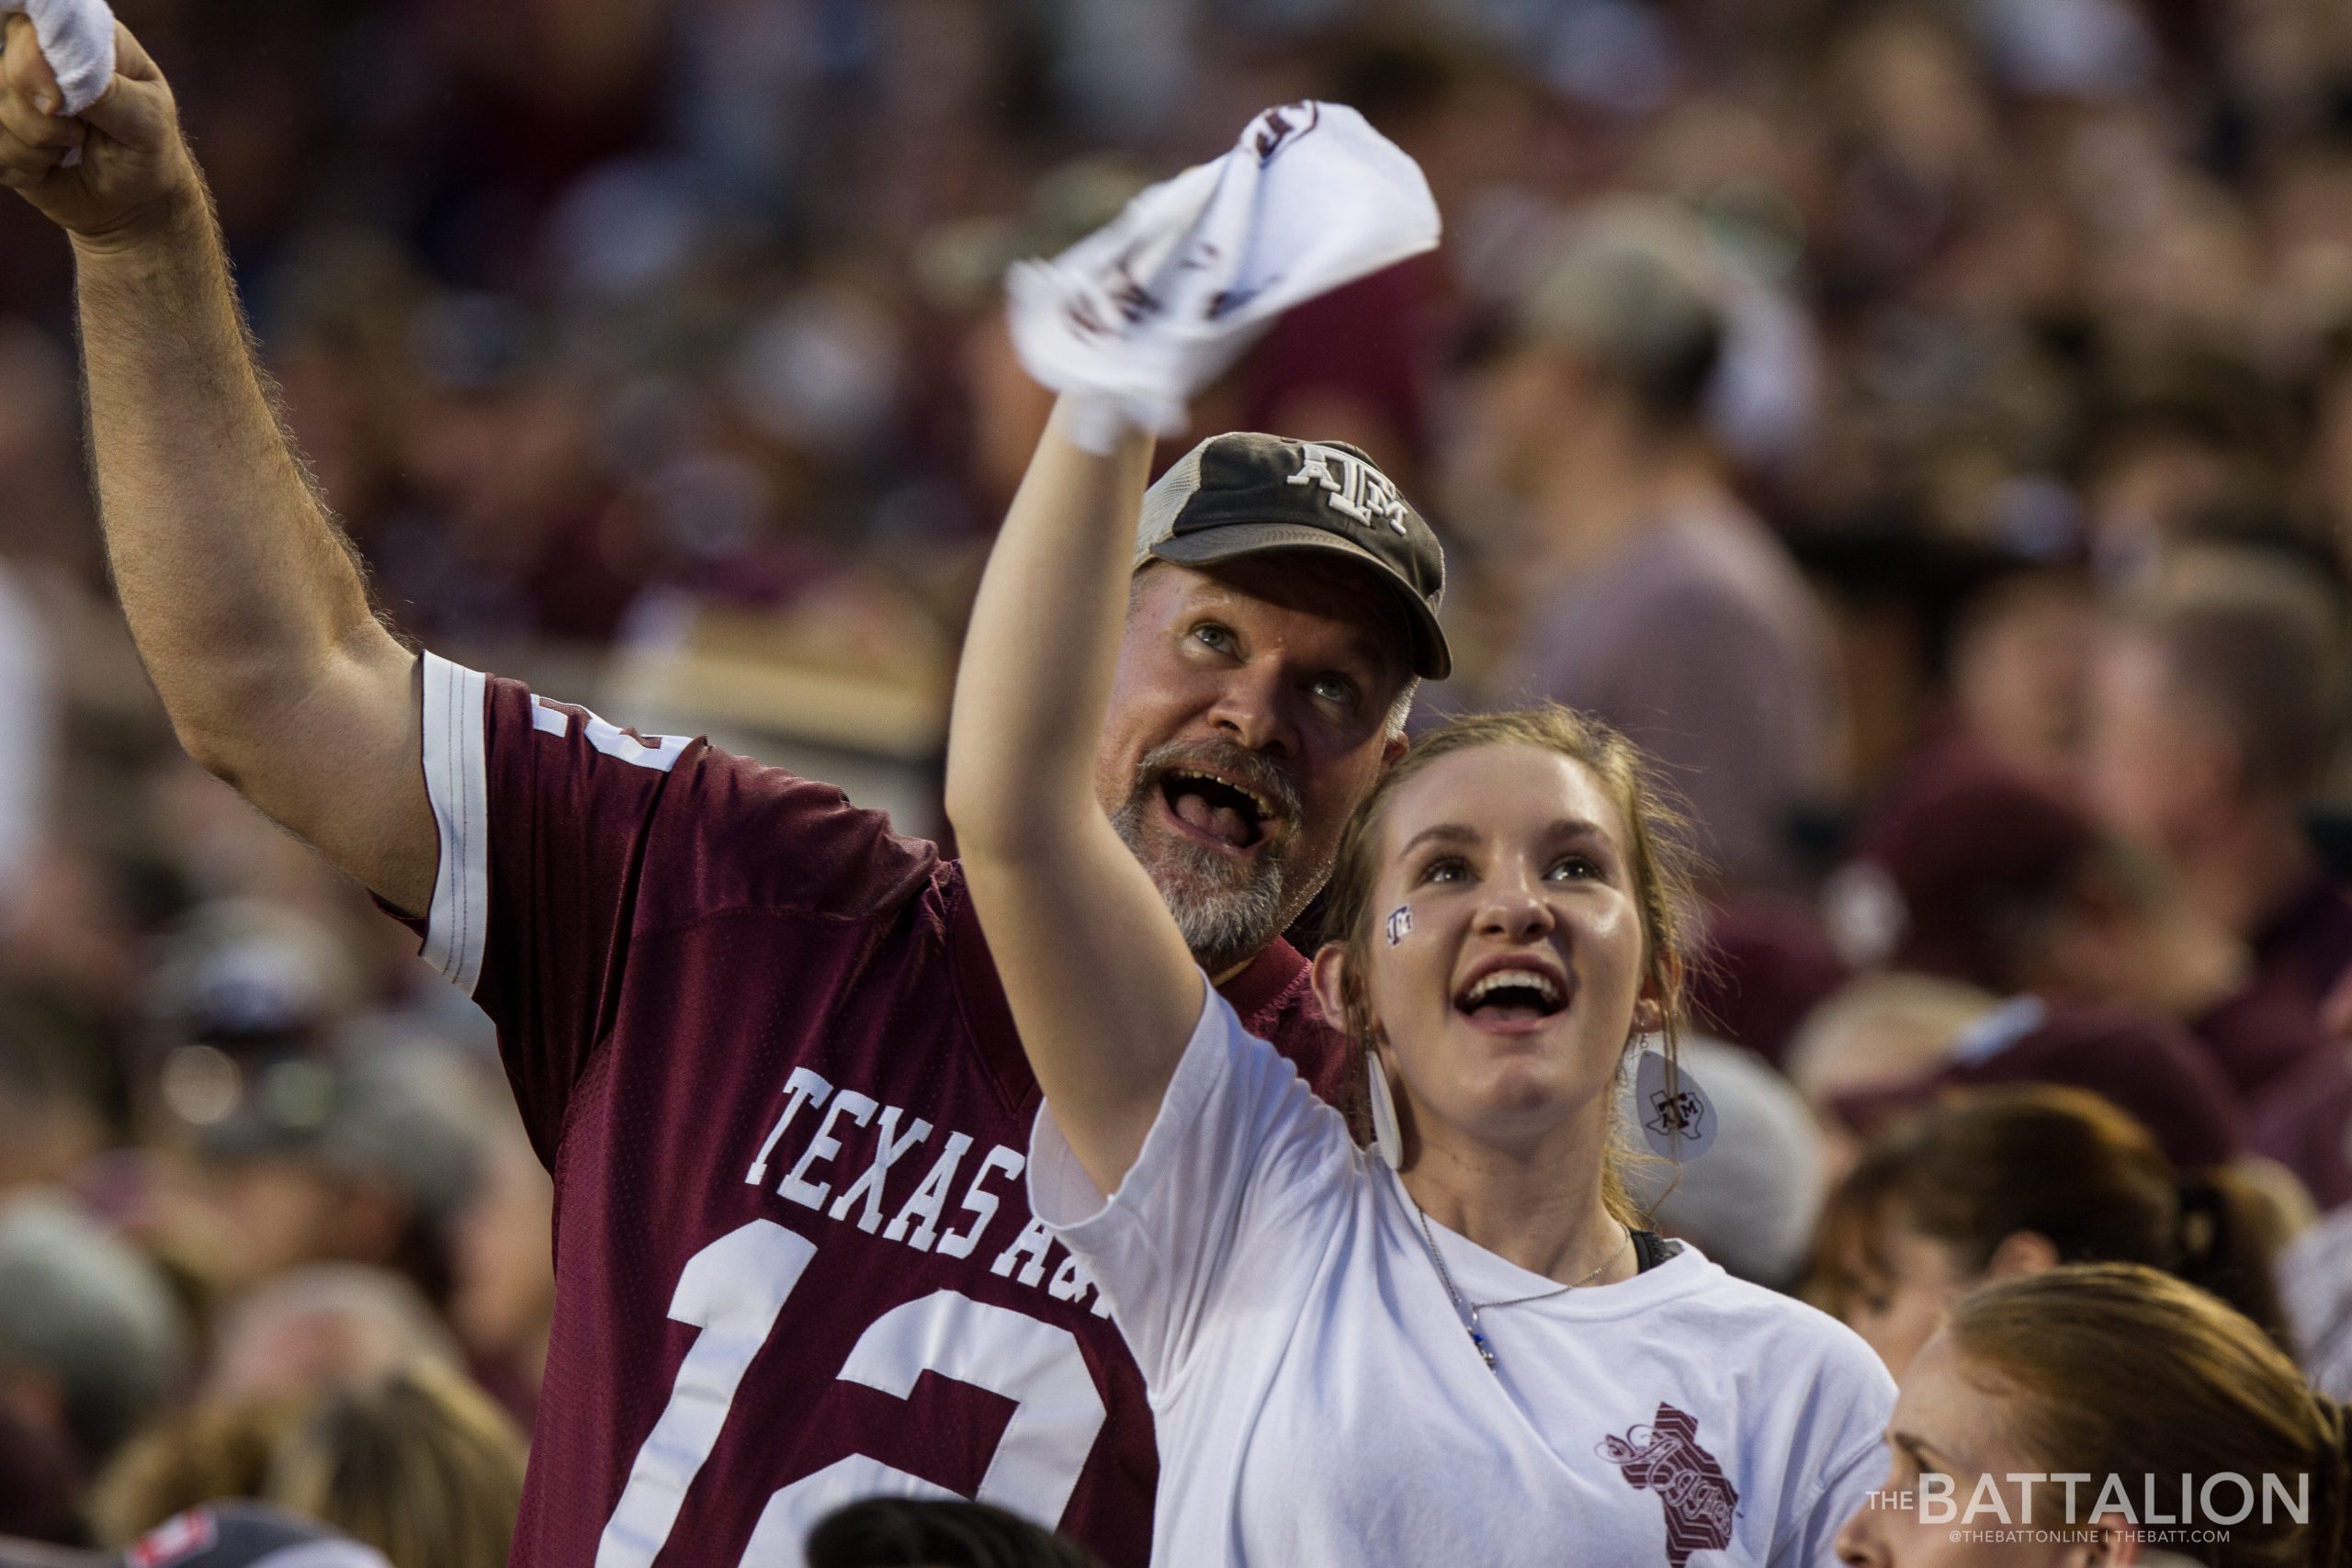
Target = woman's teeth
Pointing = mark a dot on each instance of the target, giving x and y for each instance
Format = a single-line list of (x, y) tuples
[(1532, 980)]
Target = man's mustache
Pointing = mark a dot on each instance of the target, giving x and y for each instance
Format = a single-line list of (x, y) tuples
[(1253, 770)]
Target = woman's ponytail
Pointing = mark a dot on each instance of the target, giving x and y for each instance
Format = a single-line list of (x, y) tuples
[(2223, 1236)]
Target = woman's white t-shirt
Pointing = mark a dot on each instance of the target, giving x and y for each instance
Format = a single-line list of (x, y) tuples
[(1318, 1402)]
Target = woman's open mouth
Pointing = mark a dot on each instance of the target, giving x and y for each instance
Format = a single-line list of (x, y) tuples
[(1512, 998)]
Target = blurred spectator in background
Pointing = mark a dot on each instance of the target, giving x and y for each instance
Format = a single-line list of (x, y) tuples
[(416, 1462), (2020, 670), (92, 1342), (1651, 595), (324, 1326), (2219, 710), (1970, 870), (194, 1454), (1995, 1182), (419, 1465), (219, 1535)]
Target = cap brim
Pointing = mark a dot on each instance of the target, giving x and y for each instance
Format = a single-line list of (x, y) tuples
[(1431, 659)]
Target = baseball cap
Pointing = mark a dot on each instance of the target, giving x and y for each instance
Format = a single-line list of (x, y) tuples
[(1961, 845), (2141, 1061), (1631, 287), (218, 1535), (1242, 492)]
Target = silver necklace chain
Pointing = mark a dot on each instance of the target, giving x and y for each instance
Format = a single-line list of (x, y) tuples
[(1470, 1309)]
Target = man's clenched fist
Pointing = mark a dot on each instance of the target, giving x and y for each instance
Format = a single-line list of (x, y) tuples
[(134, 169)]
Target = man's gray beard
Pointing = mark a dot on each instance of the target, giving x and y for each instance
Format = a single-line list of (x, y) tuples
[(1229, 912)]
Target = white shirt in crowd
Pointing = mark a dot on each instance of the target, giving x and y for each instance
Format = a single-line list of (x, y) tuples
[(1317, 1400)]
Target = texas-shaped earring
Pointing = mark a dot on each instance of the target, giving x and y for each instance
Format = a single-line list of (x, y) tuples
[(1387, 1134)]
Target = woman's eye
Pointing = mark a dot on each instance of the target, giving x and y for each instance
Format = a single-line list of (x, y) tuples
[(1446, 869), (1575, 868)]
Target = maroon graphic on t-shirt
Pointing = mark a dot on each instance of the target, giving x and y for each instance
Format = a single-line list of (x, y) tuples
[(1665, 1458)]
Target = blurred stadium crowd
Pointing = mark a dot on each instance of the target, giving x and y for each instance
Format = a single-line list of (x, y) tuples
[(1927, 425)]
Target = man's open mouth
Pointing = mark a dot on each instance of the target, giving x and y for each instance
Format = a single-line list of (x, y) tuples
[(1217, 807), (1512, 996)]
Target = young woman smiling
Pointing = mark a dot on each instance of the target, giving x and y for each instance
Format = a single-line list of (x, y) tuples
[(1460, 1347)]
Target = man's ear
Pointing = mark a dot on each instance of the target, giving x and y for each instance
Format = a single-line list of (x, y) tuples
[(1330, 982), (1393, 749), (2019, 1253)]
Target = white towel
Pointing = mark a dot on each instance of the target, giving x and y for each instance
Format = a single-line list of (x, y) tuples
[(1135, 319), (77, 40)]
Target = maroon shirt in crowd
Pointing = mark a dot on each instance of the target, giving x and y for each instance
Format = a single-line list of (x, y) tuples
[(758, 1039), (2305, 946)]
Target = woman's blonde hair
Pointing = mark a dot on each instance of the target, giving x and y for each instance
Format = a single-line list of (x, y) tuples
[(195, 1455), (2120, 1370), (422, 1465), (1658, 859)]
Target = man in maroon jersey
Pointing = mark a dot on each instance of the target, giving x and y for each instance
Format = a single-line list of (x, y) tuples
[(754, 1034)]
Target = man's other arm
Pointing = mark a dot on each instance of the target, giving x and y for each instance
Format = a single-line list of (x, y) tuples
[(247, 603)]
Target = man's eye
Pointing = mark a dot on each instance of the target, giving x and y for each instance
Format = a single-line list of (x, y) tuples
[(1214, 637), (1338, 690)]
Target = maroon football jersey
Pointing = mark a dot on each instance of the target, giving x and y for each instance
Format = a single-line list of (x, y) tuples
[(758, 1039)]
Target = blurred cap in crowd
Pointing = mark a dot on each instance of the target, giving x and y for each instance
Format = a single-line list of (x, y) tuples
[(1633, 292), (245, 1535), (894, 1533), (1766, 963), (226, 1534), (240, 972), (86, 1321), (2146, 1064), (1751, 1200), (1947, 872)]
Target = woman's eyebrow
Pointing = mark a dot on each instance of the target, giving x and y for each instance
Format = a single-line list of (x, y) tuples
[(1447, 833), (1925, 1455)]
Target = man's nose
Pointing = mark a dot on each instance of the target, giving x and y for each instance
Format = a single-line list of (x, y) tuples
[(1250, 712)]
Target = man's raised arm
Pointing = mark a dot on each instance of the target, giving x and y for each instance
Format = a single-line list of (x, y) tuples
[(245, 600)]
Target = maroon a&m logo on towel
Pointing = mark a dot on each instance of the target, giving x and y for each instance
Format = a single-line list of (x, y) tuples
[(1665, 1458)]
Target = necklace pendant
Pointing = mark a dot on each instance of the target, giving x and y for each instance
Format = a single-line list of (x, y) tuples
[(1485, 1350)]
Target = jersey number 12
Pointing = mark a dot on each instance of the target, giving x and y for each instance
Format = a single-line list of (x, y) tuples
[(732, 1290)]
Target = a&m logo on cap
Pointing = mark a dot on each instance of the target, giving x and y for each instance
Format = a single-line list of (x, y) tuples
[(1359, 489)]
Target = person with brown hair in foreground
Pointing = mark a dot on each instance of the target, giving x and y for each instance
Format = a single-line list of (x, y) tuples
[(2098, 1414)]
